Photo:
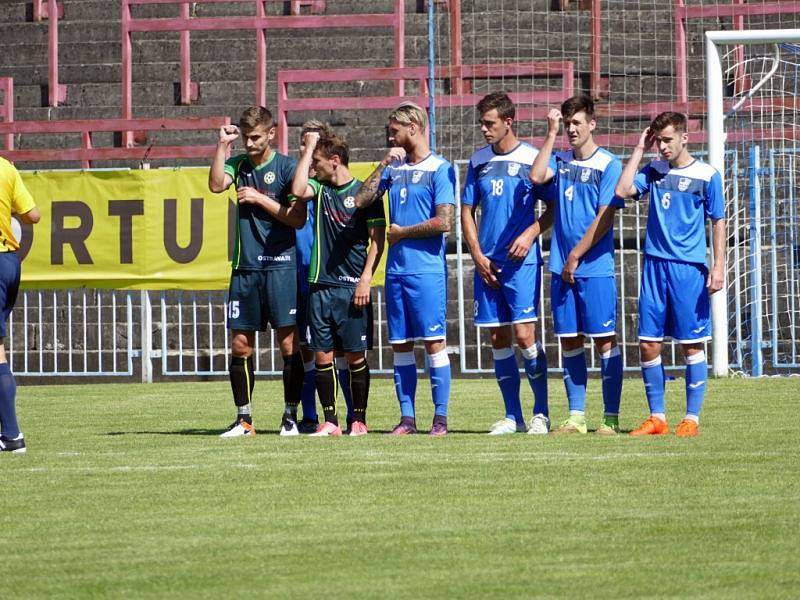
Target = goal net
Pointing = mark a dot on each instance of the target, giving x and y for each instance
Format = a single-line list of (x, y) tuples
[(754, 126)]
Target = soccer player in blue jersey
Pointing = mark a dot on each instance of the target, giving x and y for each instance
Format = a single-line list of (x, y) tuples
[(421, 188), (260, 291), (583, 290), (676, 283), (14, 197), (505, 251), (348, 243)]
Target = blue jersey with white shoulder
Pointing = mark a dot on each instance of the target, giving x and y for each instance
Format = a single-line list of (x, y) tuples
[(680, 201), (414, 193), (583, 187), (501, 185)]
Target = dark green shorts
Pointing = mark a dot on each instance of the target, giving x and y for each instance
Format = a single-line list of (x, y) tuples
[(334, 323), (260, 298)]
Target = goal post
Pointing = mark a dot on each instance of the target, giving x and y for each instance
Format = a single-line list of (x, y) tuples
[(716, 43)]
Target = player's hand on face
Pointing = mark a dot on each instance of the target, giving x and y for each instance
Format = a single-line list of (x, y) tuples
[(488, 271), (361, 295), (716, 280), (568, 274), (228, 134), (310, 139), (248, 195), (520, 247), (553, 120), (395, 154), (647, 139), (395, 233)]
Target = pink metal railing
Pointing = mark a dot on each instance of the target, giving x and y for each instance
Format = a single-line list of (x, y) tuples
[(52, 11), (185, 23), (286, 104), (87, 153), (7, 109)]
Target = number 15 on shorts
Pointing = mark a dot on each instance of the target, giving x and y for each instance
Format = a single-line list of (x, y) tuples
[(233, 309)]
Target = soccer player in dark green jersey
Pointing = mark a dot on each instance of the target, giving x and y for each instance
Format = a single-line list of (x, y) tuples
[(263, 286), (348, 243)]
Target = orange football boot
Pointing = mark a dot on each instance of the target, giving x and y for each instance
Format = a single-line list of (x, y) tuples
[(652, 426), (687, 428)]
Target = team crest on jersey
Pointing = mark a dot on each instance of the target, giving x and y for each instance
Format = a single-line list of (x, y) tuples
[(684, 183), (269, 177), (513, 169), (349, 202), (416, 177), (585, 175)]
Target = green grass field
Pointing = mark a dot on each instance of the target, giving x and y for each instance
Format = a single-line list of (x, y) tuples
[(126, 490)]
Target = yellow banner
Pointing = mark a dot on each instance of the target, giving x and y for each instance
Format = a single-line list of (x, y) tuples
[(157, 229)]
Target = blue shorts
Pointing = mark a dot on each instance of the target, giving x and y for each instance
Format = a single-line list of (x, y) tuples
[(9, 286), (587, 307), (260, 298), (416, 307), (515, 301), (674, 302)]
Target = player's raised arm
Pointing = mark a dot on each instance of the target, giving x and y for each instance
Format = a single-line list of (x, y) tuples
[(540, 170), (300, 187), (625, 188), (371, 189), (218, 180)]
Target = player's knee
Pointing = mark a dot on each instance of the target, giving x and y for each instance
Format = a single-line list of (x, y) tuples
[(693, 354), (501, 337), (649, 350), (525, 334), (605, 344), (240, 346)]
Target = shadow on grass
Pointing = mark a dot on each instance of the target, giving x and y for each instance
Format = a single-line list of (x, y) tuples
[(215, 432)]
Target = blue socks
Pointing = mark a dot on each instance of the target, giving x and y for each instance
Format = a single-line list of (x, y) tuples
[(575, 380), (440, 382), (308, 399), (653, 376), (536, 370), (343, 375), (507, 374), (8, 395), (696, 375), (611, 370), (405, 382)]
